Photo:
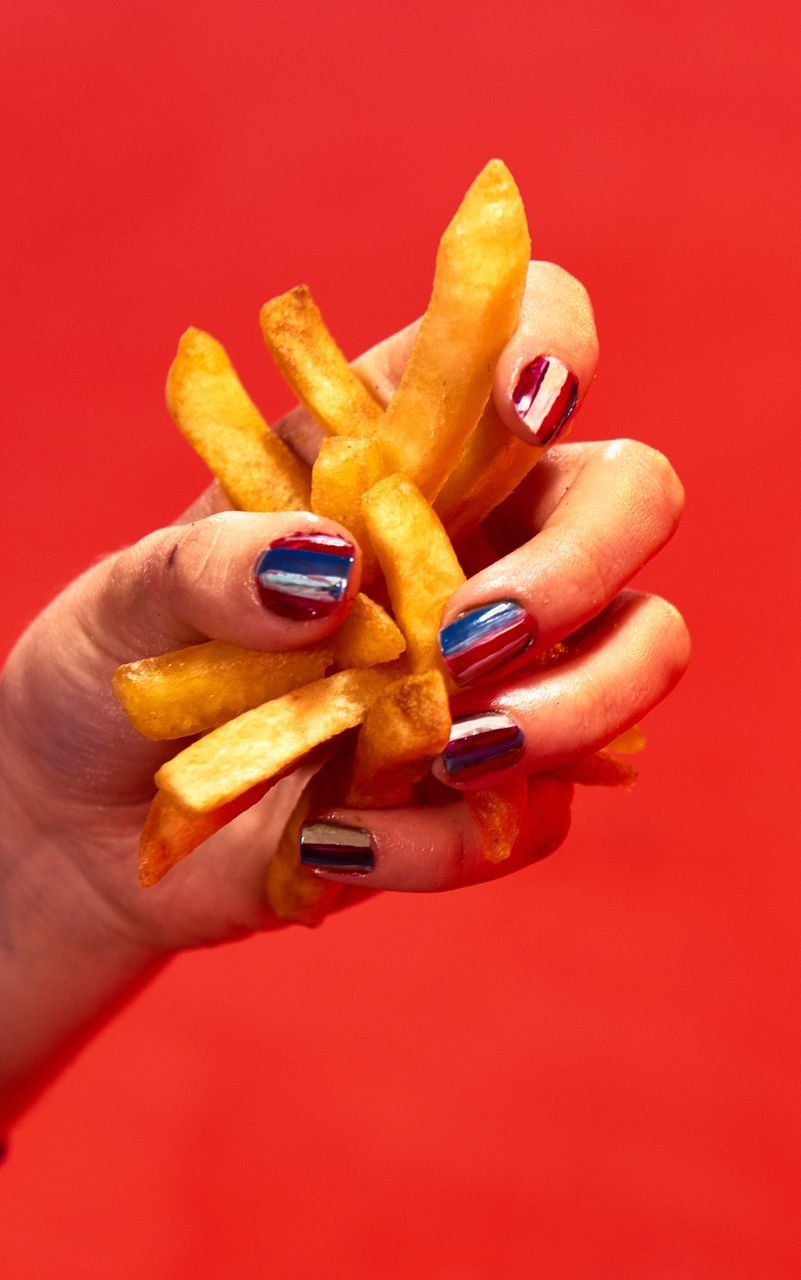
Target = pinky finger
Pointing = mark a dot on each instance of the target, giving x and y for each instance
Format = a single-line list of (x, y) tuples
[(429, 849)]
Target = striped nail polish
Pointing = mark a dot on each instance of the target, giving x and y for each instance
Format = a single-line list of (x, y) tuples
[(482, 640), (305, 575), (545, 396), (481, 744), (331, 846)]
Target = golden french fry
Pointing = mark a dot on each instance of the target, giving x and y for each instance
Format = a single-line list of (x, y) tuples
[(598, 770), (405, 728), (343, 471), (262, 743), (214, 413), (418, 561), (315, 368), (170, 833), (478, 285), (192, 690), (368, 637), (491, 466), (627, 743), (295, 894), (498, 814)]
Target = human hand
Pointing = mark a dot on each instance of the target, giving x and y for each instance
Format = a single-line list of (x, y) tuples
[(584, 522)]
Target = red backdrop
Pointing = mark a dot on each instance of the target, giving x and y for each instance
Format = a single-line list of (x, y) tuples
[(589, 1070)]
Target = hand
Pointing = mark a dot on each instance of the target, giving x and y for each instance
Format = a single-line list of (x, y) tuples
[(77, 778)]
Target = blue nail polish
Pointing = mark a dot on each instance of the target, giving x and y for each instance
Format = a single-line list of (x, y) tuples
[(481, 641), (482, 743), (304, 576)]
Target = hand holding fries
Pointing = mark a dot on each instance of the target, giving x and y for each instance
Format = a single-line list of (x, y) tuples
[(181, 614)]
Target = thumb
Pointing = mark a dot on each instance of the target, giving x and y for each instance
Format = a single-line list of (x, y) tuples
[(272, 582)]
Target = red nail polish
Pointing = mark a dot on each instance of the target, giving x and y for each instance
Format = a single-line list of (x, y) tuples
[(545, 396)]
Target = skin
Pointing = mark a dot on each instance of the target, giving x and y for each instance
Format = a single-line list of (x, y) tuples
[(77, 934)]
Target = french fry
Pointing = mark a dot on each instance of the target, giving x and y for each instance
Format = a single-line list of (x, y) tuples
[(497, 814), (598, 770), (368, 637), (343, 471), (214, 413), (294, 893), (192, 690), (170, 833), (260, 744), (418, 561), (478, 285), (315, 368), (491, 466), (405, 728)]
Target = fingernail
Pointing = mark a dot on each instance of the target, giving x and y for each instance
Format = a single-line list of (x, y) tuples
[(485, 638), (481, 744), (545, 396), (332, 846), (305, 575)]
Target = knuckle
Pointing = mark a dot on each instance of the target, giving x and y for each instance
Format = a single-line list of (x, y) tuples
[(653, 478)]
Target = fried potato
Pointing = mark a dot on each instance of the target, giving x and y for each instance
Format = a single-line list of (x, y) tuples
[(405, 728), (343, 471), (262, 743), (294, 893), (491, 466), (498, 813), (419, 564), (598, 770), (315, 368), (170, 833), (214, 413), (192, 690), (368, 637), (478, 286)]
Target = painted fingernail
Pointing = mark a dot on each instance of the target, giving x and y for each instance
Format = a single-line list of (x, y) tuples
[(305, 575), (332, 846), (481, 641), (545, 396), (481, 744)]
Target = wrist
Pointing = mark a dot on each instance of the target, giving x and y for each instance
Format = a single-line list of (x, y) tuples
[(66, 964)]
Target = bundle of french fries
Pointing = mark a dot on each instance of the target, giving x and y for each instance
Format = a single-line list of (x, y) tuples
[(404, 481)]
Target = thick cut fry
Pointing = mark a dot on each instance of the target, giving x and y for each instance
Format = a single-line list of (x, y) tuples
[(599, 770), (405, 728), (193, 690), (262, 743), (295, 894), (342, 473), (213, 411), (492, 464), (478, 285), (418, 561), (497, 814), (367, 637), (170, 833), (315, 368)]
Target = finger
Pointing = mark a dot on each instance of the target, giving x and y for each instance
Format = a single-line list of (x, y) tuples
[(546, 369), (622, 505), (271, 582), (624, 663), (424, 850)]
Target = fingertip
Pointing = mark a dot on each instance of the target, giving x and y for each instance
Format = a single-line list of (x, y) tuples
[(548, 364)]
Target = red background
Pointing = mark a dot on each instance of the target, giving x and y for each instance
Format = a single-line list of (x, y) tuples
[(591, 1069)]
